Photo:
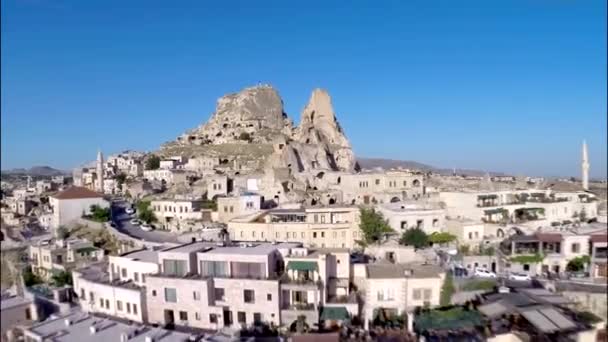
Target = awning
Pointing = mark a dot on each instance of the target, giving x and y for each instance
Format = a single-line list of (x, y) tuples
[(86, 249), (338, 313), (302, 266)]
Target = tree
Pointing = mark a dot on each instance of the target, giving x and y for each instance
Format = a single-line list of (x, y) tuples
[(145, 213), (441, 238), (464, 249), (153, 162), (578, 264), (99, 214), (414, 237), (447, 290), (373, 225), (62, 278), (29, 278)]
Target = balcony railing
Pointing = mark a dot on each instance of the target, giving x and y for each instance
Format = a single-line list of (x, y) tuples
[(300, 306), (285, 279)]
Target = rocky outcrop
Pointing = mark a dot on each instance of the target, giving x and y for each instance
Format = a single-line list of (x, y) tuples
[(252, 115), (247, 122)]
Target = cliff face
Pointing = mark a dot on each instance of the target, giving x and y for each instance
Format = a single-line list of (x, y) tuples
[(254, 119)]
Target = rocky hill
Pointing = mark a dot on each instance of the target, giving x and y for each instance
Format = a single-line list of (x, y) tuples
[(39, 171), (251, 128)]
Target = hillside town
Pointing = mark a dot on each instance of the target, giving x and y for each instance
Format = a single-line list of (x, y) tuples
[(250, 227)]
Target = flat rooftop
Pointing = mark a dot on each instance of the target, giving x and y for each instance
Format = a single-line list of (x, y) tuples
[(107, 330), (146, 255), (397, 271), (256, 248), (12, 301)]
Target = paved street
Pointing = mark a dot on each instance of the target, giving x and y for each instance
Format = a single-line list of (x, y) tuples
[(123, 225)]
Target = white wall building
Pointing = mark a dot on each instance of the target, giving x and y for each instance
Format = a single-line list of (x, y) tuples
[(72, 203)]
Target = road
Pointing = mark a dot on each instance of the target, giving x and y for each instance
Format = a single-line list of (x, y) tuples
[(122, 221)]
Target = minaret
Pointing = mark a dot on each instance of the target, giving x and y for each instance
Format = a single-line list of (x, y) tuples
[(99, 171), (585, 167)]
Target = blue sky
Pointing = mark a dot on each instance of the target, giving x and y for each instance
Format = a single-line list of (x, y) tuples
[(510, 86)]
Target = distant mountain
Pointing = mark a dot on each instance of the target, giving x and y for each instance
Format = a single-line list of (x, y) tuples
[(40, 171), (370, 163)]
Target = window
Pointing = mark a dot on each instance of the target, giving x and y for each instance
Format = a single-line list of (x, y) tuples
[(196, 295), (219, 294), (135, 276), (135, 309), (314, 235), (91, 297), (183, 316), (153, 293), (118, 305), (128, 307), (470, 236), (427, 294), (526, 267), (231, 209), (143, 278), (253, 233), (170, 295), (576, 247), (241, 317), (174, 267), (249, 296), (269, 297), (417, 294), (377, 182), (214, 268), (257, 317), (212, 318), (101, 302), (302, 235), (123, 272), (316, 218), (197, 316), (28, 314), (403, 224), (107, 303), (82, 296), (322, 234)]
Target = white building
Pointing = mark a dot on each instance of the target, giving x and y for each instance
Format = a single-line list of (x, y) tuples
[(401, 216), (72, 203), (231, 207), (180, 215)]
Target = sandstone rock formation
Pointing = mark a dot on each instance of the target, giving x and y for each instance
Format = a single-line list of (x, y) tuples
[(255, 117), (251, 128)]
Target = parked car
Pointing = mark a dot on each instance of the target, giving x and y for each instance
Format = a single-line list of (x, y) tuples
[(135, 222), (147, 227), (520, 277), (483, 273), (130, 211)]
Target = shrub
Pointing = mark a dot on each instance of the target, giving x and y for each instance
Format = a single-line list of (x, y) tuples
[(414, 237)]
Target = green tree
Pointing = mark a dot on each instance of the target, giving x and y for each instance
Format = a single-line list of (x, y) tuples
[(153, 162), (62, 278), (99, 214), (414, 237), (373, 225), (578, 264), (447, 290), (29, 278), (464, 249), (144, 212), (441, 238)]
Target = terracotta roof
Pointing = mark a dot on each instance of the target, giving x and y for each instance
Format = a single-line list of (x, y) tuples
[(546, 237), (76, 192), (598, 238)]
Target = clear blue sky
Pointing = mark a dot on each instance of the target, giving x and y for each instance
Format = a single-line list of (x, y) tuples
[(509, 86)]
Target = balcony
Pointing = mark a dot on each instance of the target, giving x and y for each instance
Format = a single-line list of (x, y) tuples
[(291, 312), (299, 283), (350, 299)]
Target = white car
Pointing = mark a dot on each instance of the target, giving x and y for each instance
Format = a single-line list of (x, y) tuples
[(520, 277), (146, 227), (483, 273), (135, 222), (130, 211)]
